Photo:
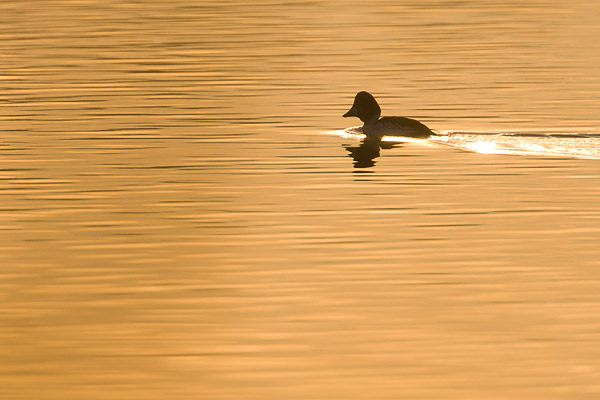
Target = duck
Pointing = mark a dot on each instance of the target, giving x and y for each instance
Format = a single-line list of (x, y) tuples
[(366, 108)]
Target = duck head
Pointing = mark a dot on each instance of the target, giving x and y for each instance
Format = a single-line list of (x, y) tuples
[(365, 107)]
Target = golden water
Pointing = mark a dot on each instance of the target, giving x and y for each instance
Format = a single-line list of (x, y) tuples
[(177, 224)]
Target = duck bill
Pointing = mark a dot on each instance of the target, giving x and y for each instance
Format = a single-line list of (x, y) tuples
[(351, 113)]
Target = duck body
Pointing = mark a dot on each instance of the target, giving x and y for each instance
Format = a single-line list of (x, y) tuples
[(366, 108)]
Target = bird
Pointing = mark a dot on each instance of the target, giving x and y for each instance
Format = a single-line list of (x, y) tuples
[(366, 108)]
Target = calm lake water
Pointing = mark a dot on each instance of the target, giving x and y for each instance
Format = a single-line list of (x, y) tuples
[(181, 217)]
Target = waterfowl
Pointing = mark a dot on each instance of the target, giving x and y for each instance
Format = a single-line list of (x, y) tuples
[(366, 108)]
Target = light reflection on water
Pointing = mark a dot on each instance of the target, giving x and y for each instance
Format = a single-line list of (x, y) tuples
[(174, 223), (575, 145), (556, 145)]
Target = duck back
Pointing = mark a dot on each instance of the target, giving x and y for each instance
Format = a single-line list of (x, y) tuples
[(403, 126)]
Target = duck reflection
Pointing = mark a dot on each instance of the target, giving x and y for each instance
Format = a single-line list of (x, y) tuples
[(370, 148)]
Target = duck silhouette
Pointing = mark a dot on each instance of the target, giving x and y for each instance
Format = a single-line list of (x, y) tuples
[(366, 108)]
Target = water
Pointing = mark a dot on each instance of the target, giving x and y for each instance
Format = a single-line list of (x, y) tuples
[(178, 221)]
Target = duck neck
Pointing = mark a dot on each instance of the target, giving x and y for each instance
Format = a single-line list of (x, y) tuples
[(370, 123)]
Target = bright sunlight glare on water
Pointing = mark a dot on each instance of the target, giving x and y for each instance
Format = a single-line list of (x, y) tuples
[(510, 143)]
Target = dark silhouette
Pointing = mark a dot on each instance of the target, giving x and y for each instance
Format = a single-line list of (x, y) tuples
[(365, 154), (366, 108)]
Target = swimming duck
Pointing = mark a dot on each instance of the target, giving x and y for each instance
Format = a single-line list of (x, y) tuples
[(366, 108)]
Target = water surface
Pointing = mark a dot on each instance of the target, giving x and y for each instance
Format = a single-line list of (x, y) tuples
[(177, 223)]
